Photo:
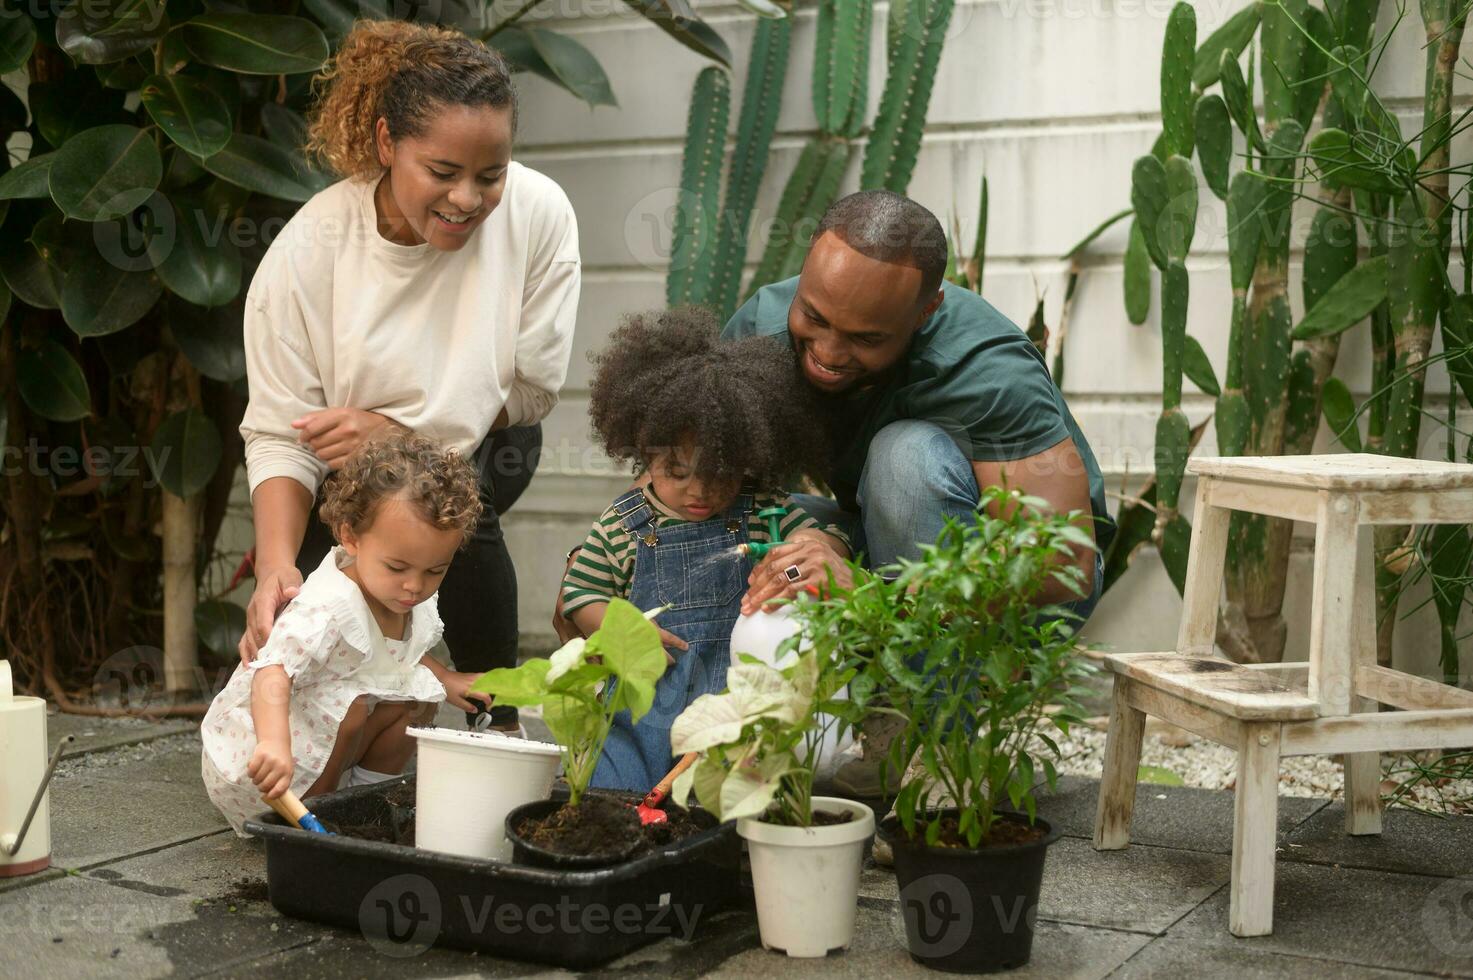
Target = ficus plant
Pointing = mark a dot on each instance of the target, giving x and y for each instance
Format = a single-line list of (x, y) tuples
[(156, 148), (759, 739), (955, 643), (585, 684)]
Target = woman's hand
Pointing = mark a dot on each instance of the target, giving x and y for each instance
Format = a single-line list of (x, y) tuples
[(814, 557), (669, 639), (334, 433), (458, 692), (271, 768), (274, 589)]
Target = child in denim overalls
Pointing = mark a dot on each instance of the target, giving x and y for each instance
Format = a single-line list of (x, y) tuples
[(715, 430)]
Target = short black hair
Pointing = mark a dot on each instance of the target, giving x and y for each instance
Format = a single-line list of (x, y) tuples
[(890, 227), (666, 376)]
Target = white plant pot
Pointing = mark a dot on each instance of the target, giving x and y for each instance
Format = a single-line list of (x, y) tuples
[(468, 782), (807, 878)]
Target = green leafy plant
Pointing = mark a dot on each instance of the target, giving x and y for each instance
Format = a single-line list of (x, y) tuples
[(759, 737), (583, 685), (954, 643)]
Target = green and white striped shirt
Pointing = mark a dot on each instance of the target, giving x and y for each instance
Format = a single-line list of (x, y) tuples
[(605, 567)]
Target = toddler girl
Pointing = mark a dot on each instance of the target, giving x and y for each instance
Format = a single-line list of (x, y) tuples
[(347, 668), (716, 430)]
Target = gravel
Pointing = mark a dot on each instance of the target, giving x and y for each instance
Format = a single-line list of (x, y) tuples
[(1207, 765)]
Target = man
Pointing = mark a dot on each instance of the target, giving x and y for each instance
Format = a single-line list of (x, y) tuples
[(934, 394), (939, 395)]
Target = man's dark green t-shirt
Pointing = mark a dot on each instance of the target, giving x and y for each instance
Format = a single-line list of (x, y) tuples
[(970, 370)]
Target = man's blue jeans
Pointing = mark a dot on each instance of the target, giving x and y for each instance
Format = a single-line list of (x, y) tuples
[(914, 478)]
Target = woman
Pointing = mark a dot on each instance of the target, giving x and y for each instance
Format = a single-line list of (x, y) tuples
[(435, 287)]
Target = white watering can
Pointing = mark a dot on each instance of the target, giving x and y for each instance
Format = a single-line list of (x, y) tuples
[(25, 818)]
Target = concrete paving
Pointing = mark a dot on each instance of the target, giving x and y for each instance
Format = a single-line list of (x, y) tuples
[(148, 882)]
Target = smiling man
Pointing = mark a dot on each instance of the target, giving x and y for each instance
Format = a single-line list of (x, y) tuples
[(934, 392)]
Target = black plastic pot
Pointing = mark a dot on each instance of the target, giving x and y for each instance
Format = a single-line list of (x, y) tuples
[(969, 911), (523, 851), (404, 900)]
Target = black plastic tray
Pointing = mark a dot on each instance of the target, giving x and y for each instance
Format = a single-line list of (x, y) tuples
[(404, 900)]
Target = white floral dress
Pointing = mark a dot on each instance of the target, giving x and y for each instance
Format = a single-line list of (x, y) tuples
[(334, 652)]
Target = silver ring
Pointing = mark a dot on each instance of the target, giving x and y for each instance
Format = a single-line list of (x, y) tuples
[(792, 573)]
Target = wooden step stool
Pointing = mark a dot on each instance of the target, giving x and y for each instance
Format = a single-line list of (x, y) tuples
[(1264, 711)]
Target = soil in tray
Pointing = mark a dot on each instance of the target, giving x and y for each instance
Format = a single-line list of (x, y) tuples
[(608, 825)]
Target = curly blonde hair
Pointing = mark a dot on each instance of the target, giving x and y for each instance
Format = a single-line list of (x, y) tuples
[(405, 73), (439, 484)]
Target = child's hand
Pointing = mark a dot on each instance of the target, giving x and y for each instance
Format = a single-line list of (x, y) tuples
[(458, 692), (669, 639), (271, 768)]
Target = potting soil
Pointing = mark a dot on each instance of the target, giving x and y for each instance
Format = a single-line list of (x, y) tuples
[(1004, 833)]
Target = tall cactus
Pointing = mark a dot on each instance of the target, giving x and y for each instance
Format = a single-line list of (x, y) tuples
[(840, 101), (761, 99), (693, 251), (914, 54)]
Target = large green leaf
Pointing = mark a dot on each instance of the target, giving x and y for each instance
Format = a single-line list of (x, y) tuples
[(185, 452), (17, 38), (98, 298), (205, 272), (188, 111), (1338, 406), (690, 31), (75, 103), (31, 263), (559, 59), (337, 16), (256, 44), (52, 384), (99, 32), (105, 172), (212, 339), (263, 167), (28, 180), (219, 625)]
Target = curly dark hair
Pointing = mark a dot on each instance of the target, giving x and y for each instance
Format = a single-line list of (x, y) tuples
[(438, 483), (665, 377)]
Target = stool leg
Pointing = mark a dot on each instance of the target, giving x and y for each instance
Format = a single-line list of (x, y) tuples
[(1122, 763), (1197, 634), (1255, 832), (1363, 769)]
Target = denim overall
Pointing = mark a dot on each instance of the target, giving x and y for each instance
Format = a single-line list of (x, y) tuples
[(677, 567)]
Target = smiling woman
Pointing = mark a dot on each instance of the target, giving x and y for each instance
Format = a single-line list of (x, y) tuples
[(435, 288)]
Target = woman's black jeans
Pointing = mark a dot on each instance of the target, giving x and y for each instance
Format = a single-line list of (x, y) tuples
[(478, 598)]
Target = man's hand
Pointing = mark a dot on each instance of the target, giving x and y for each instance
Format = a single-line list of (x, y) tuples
[(815, 558), (271, 768), (334, 433), (274, 589)]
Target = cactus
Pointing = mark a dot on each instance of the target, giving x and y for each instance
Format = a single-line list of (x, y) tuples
[(1181, 207), (1214, 129), (1237, 94), (693, 249), (1245, 198), (761, 99), (1312, 65), (895, 137), (841, 66), (1177, 56), (1282, 37), (1173, 432), (1339, 410), (1137, 276), (1232, 37), (1150, 196)]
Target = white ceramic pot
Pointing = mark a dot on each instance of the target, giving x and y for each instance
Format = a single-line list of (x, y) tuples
[(468, 782), (807, 878)]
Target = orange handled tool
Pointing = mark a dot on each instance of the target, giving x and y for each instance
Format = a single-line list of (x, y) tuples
[(649, 810)]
